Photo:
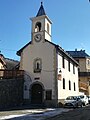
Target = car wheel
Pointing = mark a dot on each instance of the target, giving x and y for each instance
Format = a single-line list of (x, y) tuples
[(83, 104), (75, 106)]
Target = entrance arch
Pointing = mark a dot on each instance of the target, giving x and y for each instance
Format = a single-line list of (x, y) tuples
[(36, 94)]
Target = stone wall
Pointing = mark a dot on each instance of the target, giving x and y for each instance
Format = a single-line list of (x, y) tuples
[(11, 92)]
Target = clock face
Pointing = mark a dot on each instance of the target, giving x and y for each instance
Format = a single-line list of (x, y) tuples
[(37, 37)]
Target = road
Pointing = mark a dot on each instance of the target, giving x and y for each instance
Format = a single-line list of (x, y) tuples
[(47, 114), (76, 114), (31, 114)]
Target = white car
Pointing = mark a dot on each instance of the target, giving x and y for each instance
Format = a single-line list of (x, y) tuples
[(88, 99), (84, 99), (73, 101)]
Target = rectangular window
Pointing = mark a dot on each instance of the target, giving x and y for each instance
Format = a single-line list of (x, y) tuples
[(68, 65), (49, 95), (37, 65), (73, 69), (74, 87), (63, 83), (69, 85), (63, 62)]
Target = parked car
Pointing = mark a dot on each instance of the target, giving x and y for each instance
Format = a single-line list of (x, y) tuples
[(88, 99), (73, 101), (84, 99)]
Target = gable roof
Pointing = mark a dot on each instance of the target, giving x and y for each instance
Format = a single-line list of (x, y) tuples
[(78, 54), (59, 49), (41, 11), (19, 51)]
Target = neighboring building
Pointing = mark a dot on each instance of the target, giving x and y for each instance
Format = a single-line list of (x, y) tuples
[(11, 83), (2, 62), (11, 64), (8, 64), (84, 70), (8, 67), (50, 73)]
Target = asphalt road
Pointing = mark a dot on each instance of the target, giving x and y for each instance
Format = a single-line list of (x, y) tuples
[(76, 114), (47, 114), (31, 114)]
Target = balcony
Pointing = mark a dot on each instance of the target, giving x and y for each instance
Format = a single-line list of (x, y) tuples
[(83, 86), (84, 74), (10, 74)]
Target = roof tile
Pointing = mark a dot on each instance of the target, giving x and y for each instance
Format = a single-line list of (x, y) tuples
[(78, 54)]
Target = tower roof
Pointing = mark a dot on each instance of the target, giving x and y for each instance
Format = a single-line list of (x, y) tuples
[(41, 11)]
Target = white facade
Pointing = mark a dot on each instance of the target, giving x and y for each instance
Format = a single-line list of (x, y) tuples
[(46, 76), (67, 76), (42, 60)]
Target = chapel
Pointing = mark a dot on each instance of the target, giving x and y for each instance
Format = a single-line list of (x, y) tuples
[(51, 74)]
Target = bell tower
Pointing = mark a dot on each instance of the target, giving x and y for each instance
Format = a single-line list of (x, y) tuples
[(41, 26)]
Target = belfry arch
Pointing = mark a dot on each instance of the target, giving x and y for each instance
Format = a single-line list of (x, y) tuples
[(38, 27)]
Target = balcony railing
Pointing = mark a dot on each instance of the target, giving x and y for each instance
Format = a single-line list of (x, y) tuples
[(9, 74), (84, 74), (83, 86)]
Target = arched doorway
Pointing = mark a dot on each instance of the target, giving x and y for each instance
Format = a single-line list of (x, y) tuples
[(36, 94)]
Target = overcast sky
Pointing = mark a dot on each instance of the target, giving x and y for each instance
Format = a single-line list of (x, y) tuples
[(70, 28)]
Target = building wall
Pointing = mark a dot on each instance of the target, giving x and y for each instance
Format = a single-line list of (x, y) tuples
[(1, 66), (47, 35), (51, 65), (82, 63), (47, 53), (67, 75), (85, 67), (85, 79), (11, 93), (88, 64)]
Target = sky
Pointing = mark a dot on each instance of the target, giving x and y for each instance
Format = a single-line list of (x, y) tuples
[(70, 28)]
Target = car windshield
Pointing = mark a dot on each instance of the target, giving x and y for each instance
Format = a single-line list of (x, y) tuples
[(82, 96), (71, 98)]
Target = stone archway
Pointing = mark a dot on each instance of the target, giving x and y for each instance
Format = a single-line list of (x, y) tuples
[(36, 94)]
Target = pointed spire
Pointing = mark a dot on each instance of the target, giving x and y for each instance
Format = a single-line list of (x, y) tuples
[(41, 10)]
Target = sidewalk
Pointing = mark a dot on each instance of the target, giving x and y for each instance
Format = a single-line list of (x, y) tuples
[(31, 114)]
